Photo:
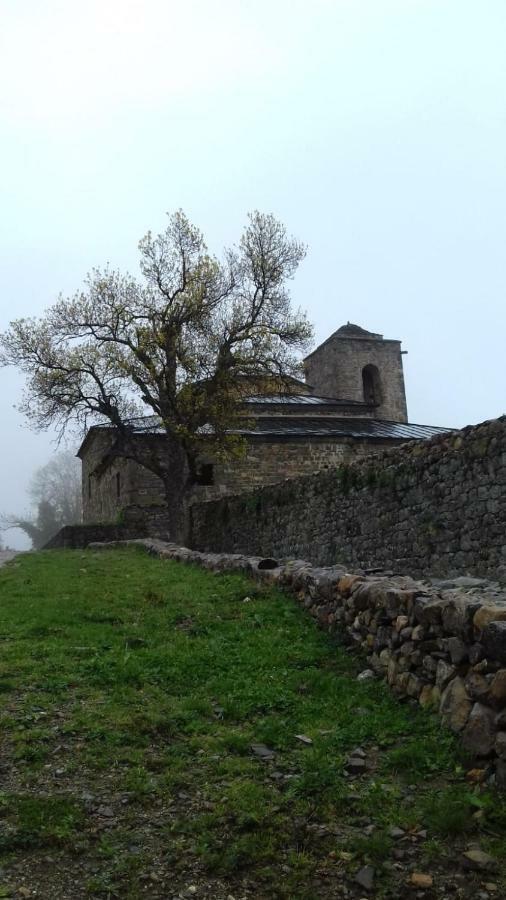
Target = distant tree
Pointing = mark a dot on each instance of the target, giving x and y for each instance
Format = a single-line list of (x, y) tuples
[(55, 490), (59, 484), (182, 345)]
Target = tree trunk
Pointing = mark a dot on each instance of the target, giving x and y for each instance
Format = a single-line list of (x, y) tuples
[(178, 482)]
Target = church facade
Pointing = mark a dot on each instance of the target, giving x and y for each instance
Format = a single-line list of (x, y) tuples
[(352, 403)]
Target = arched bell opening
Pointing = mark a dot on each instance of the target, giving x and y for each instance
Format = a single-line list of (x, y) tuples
[(371, 385)]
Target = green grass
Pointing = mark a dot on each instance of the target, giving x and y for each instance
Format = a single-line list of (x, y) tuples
[(144, 683)]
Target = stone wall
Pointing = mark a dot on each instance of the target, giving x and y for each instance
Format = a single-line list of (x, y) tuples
[(265, 461), (442, 646), (76, 537), (435, 506), (136, 522)]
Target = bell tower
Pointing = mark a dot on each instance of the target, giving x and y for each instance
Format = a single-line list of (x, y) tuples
[(355, 364)]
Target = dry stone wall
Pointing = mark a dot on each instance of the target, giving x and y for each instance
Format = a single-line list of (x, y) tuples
[(443, 646), (434, 507)]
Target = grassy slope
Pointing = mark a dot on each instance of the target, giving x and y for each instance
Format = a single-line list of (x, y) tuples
[(132, 690)]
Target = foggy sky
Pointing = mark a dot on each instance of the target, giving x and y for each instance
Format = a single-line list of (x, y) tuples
[(375, 129)]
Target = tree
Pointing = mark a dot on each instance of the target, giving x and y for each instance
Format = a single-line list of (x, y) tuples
[(183, 344), (55, 491), (59, 484)]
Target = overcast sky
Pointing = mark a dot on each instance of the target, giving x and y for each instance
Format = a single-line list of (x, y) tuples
[(375, 129)]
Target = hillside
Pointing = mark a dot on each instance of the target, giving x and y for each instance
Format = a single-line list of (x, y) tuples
[(168, 733)]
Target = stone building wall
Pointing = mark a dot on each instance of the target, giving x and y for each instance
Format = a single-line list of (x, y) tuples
[(426, 507), (264, 462), (335, 370), (270, 461), (105, 497)]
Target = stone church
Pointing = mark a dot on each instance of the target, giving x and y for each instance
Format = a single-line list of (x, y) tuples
[(352, 403)]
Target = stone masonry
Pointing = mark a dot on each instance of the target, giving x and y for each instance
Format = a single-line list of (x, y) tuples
[(336, 367), (435, 507)]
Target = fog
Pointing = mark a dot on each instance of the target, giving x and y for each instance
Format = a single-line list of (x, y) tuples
[(375, 129)]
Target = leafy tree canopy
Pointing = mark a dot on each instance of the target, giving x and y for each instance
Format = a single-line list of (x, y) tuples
[(183, 343)]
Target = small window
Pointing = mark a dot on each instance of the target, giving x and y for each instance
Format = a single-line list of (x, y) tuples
[(118, 485), (89, 487), (371, 384), (205, 474)]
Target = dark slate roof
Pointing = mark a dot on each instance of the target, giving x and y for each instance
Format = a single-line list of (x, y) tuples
[(302, 399), (351, 330), (287, 427), (331, 426)]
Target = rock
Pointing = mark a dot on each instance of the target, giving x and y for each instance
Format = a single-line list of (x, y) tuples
[(358, 752), (346, 583), (500, 744), (429, 665), (457, 650), (479, 734), (444, 674), (500, 774), (481, 667), (500, 719), (384, 658), (494, 640), (106, 811), (366, 675), (428, 612), (467, 581), (355, 765), (262, 751), (455, 705), (429, 696), (498, 688), (478, 860), (396, 833), (420, 880), (457, 615), (476, 685), (476, 653), (304, 739), (401, 622), (391, 672), (489, 613), (365, 877), (414, 686), (418, 633)]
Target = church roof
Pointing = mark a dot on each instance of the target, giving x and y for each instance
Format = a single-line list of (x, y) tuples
[(332, 426), (302, 400), (286, 427), (351, 330)]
